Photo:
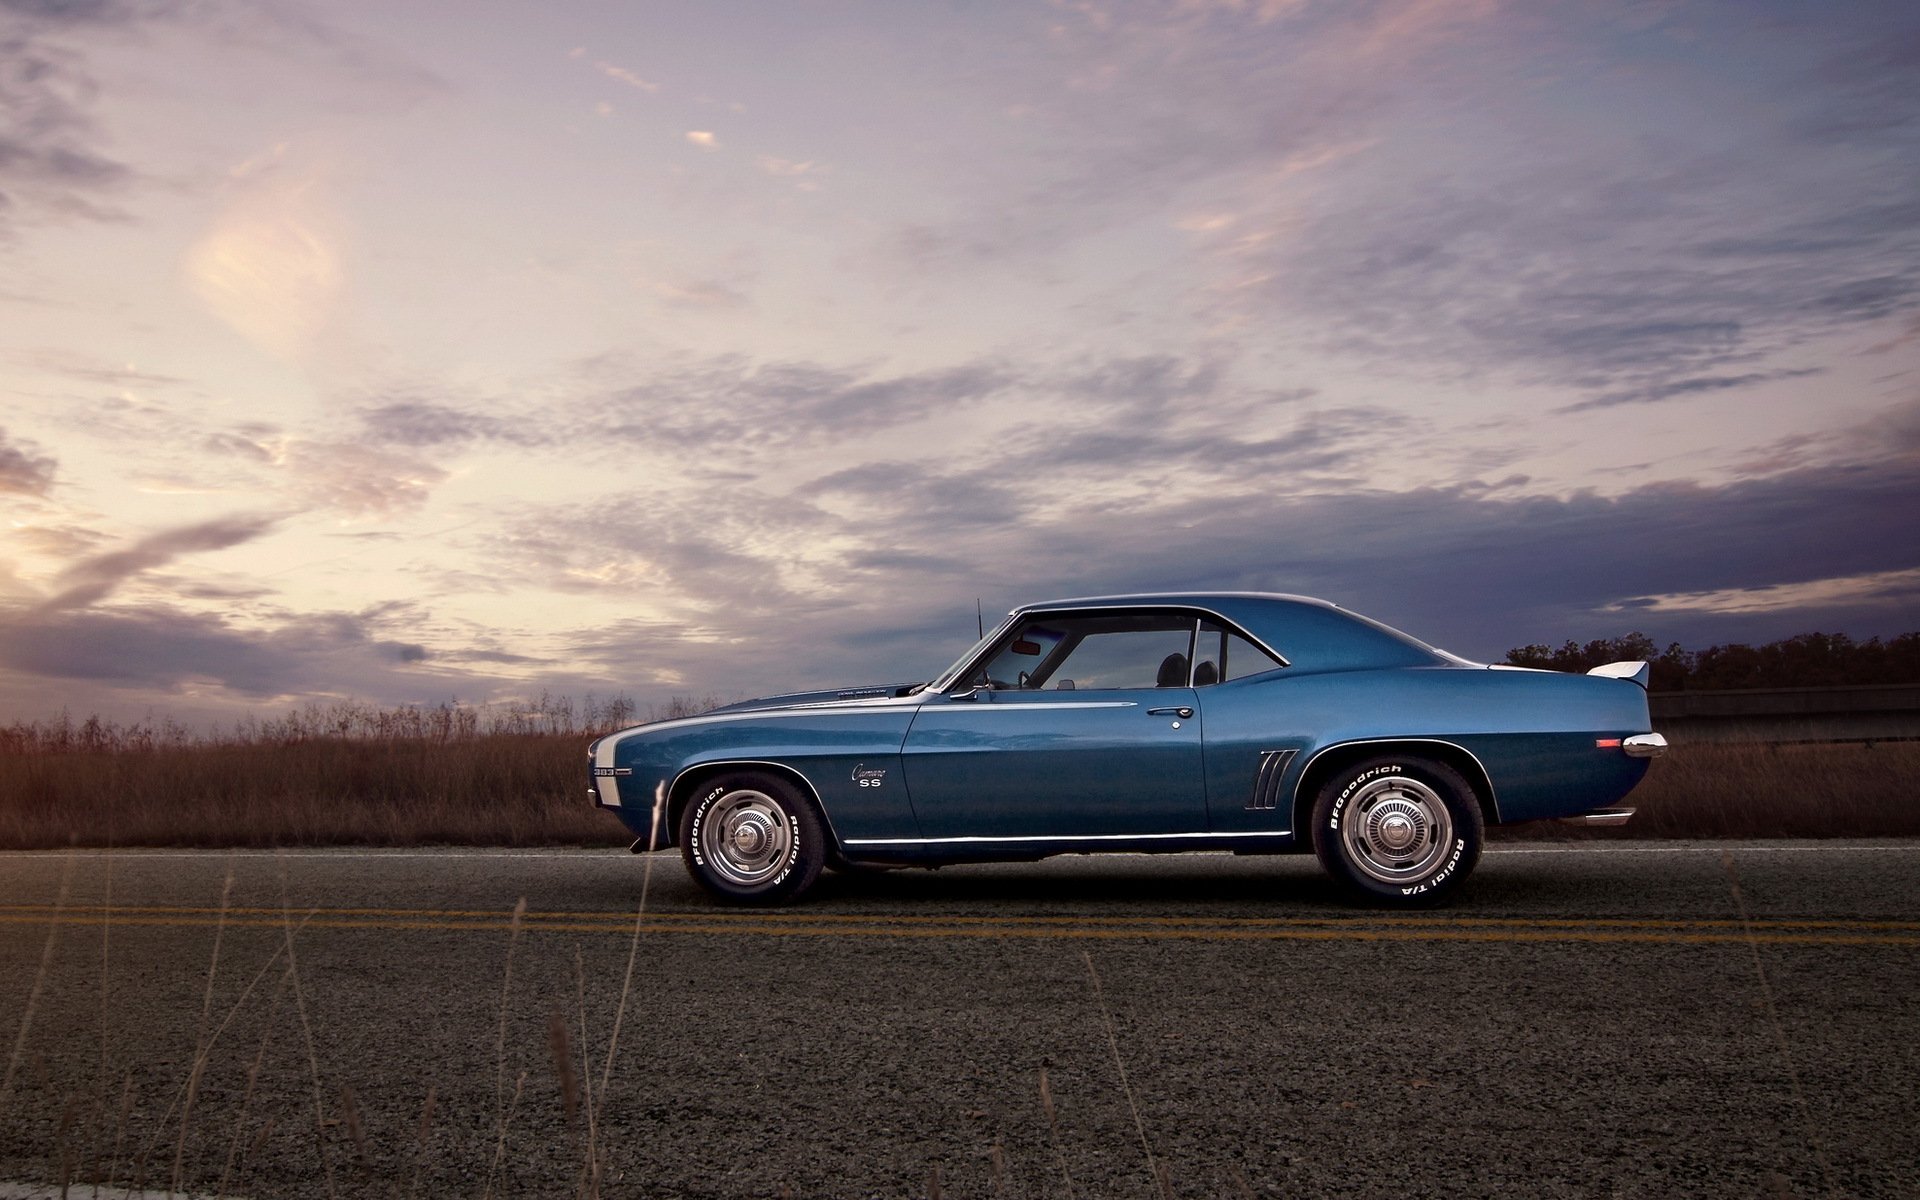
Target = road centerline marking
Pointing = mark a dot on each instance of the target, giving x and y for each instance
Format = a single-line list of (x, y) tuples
[(1372, 927)]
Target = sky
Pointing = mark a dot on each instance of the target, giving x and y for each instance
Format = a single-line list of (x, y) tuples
[(410, 353)]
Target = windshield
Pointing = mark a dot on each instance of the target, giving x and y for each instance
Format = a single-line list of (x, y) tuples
[(947, 676)]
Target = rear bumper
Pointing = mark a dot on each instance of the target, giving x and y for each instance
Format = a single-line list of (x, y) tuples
[(1644, 745)]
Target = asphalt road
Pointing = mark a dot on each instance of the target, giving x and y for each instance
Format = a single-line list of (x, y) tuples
[(1592, 1020)]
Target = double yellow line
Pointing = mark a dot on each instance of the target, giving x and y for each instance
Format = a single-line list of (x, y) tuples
[(1424, 927)]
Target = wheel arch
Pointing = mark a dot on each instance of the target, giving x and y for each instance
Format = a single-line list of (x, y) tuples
[(681, 791), (1329, 760)]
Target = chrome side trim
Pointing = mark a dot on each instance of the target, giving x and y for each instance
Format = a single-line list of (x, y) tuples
[(1602, 816), (1645, 745), (818, 804), (1065, 840), (824, 708), (990, 706), (1493, 797)]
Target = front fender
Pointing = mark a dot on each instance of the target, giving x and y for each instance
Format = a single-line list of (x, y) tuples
[(849, 759)]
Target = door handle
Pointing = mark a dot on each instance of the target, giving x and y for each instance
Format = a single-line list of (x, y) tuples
[(1182, 712)]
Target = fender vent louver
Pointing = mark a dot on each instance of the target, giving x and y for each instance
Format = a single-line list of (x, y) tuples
[(1266, 785)]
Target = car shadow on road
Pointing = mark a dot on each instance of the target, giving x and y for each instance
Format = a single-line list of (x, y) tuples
[(1113, 885)]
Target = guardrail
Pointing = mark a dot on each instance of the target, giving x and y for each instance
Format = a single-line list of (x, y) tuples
[(1853, 713)]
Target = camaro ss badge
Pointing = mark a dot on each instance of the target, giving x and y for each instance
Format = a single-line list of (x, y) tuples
[(866, 776)]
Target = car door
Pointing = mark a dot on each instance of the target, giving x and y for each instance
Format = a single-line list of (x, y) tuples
[(1075, 726)]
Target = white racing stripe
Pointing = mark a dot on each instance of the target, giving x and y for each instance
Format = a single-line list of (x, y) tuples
[(607, 787)]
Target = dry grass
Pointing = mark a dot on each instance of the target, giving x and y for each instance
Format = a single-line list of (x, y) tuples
[(1756, 790), (345, 775), (350, 775)]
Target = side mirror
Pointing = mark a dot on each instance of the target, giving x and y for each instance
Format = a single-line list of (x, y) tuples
[(979, 691)]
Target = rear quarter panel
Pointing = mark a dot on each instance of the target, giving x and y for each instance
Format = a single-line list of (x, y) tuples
[(1533, 733)]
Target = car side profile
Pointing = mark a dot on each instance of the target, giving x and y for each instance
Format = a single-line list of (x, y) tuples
[(1256, 723)]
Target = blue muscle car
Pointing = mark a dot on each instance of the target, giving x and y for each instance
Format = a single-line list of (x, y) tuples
[(1261, 724)]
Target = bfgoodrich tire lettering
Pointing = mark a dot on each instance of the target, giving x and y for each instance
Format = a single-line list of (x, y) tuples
[(752, 838), (1399, 830)]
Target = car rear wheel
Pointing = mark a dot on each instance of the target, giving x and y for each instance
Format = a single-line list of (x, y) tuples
[(752, 838), (1399, 830)]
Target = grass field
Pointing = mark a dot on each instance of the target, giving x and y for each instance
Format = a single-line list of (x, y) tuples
[(349, 775)]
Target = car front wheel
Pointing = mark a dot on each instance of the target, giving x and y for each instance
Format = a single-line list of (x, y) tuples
[(751, 838), (1399, 830)]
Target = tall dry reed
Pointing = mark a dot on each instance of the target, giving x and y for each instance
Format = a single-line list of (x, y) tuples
[(1760, 790), (517, 776), (341, 775)]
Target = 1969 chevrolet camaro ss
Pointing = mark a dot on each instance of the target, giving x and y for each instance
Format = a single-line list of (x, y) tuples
[(1261, 724)]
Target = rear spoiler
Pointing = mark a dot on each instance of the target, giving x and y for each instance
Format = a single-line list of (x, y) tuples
[(1636, 671)]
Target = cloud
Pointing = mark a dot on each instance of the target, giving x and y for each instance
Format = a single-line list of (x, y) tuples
[(1134, 108), (1429, 185), (52, 160), (736, 402), (269, 267), (1898, 586), (738, 550), (160, 651), (622, 75), (24, 471), (359, 479), (788, 167), (1646, 270), (748, 591), (427, 423), (1655, 393), (93, 579), (89, 370), (1477, 567), (703, 138), (702, 294), (380, 73), (251, 446)]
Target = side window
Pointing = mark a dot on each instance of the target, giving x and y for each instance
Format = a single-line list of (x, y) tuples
[(1242, 657), (1094, 650), (1129, 658), (1018, 661), (1220, 654)]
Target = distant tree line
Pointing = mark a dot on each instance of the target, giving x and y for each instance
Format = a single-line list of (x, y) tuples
[(1804, 660)]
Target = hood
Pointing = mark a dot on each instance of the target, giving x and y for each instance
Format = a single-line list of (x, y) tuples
[(830, 696)]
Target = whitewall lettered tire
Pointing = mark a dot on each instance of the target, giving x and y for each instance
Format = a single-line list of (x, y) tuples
[(751, 837), (1399, 829)]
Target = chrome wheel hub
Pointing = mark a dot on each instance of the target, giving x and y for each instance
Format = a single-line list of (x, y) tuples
[(1396, 830), (746, 837)]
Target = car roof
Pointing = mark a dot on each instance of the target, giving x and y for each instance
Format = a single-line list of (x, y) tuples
[(1309, 634), (1176, 599)]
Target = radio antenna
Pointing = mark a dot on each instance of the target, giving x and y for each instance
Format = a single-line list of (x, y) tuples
[(979, 617)]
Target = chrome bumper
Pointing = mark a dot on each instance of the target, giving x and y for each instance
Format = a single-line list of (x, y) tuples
[(1644, 745), (1604, 816)]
